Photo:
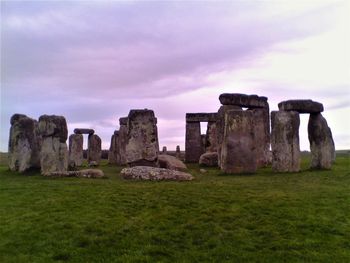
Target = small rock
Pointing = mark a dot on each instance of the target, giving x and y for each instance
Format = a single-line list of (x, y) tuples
[(203, 171), (171, 162), (209, 159)]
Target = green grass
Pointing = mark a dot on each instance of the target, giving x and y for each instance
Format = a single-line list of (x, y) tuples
[(264, 217)]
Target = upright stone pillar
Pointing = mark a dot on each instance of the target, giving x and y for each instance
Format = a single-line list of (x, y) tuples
[(261, 127), (76, 150), (178, 152), (142, 147), (165, 150), (94, 149), (285, 141), (113, 154), (321, 142), (211, 136), (54, 150), (238, 151), (193, 142), (24, 144)]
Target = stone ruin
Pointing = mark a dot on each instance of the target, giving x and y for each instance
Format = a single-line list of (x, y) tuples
[(237, 139)]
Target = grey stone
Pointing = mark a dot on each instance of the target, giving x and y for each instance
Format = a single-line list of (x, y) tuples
[(113, 149), (154, 174), (201, 117), (171, 162), (301, 106), (85, 173), (321, 142), (220, 126), (209, 159), (238, 147), (53, 126), (24, 144), (84, 131), (178, 152), (211, 138), (123, 121), (243, 100), (76, 150), (94, 149), (261, 127), (285, 141), (193, 143), (142, 147), (54, 150), (164, 151), (122, 140)]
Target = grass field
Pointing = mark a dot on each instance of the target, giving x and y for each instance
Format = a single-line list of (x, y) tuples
[(264, 217)]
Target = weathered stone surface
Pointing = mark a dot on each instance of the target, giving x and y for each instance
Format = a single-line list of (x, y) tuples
[(203, 143), (142, 147), (122, 140), (238, 149), (86, 173), (113, 149), (321, 142), (164, 151), (211, 138), (94, 149), (171, 162), (154, 174), (209, 159), (193, 144), (243, 100), (53, 126), (301, 106), (220, 126), (201, 117), (24, 144), (54, 150), (76, 150), (261, 128), (83, 131), (285, 141)]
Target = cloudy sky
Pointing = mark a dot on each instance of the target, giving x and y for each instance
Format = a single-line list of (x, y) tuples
[(93, 61)]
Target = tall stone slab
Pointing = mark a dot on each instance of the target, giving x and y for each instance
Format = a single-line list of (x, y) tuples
[(122, 140), (238, 150), (113, 153), (76, 150), (54, 150), (142, 147), (193, 142), (220, 126), (211, 138), (321, 142), (285, 141), (94, 149), (24, 144), (261, 127)]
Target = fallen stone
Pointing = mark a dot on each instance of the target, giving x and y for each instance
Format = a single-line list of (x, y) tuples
[(209, 159), (243, 100), (171, 162), (83, 131), (301, 106), (86, 173), (93, 164), (321, 142), (285, 141), (203, 171), (154, 174)]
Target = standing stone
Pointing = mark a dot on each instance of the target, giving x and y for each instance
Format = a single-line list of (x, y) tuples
[(54, 150), (76, 150), (238, 150), (285, 141), (261, 127), (204, 143), (321, 142), (113, 154), (122, 140), (211, 138), (24, 144), (193, 145), (178, 152), (164, 151), (94, 149), (220, 126), (142, 147)]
